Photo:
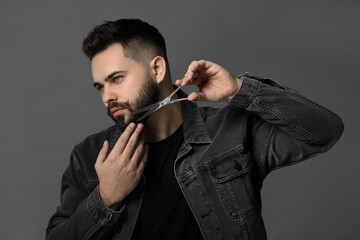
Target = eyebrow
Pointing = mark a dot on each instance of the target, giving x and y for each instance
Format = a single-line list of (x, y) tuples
[(111, 75)]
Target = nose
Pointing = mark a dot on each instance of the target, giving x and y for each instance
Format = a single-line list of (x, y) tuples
[(108, 96)]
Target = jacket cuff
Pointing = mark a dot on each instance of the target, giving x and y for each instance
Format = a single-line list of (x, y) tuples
[(247, 91), (99, 211)]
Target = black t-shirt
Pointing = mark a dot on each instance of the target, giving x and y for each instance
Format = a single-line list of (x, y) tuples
[(164, 213)]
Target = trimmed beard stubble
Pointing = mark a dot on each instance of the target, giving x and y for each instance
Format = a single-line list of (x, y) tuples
[(148, 95)]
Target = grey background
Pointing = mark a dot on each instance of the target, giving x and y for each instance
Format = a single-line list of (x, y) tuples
[(48, 103)]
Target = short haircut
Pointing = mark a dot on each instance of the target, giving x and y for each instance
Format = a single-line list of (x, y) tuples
[(139, 39)]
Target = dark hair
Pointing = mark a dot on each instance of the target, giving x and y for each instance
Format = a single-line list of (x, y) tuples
[(137, 38)]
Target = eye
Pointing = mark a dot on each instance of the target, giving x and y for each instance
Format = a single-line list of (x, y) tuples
[(100, 88), (117, 78)]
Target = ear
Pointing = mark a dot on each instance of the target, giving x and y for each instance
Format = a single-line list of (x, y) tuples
[(158, 68)]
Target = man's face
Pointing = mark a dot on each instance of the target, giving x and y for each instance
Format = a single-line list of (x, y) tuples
[(125, 85)]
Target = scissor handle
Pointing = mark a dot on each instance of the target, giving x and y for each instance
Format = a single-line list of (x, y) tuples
[(172, 94), (178, 100)]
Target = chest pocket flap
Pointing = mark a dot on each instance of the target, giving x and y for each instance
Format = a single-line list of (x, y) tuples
[(231, 164)]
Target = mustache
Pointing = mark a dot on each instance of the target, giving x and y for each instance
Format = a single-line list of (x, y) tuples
[(113, 104)]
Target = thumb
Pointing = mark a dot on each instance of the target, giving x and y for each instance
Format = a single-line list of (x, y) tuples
[(102, 154), (197, 96)]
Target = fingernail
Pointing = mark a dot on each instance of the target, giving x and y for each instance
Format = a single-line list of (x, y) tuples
[(140, 125), (132, 125), (186, 75)]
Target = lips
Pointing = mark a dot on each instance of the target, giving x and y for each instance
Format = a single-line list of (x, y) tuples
[(116, 111)]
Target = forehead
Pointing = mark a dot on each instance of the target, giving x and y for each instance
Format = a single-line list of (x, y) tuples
[(110, 60)]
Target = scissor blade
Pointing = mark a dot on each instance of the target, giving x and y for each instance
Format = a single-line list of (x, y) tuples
[(146, 111), (148, 108)]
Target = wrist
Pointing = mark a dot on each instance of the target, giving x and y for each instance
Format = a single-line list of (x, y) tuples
[(108, 202), (238, 82), (115, 207)]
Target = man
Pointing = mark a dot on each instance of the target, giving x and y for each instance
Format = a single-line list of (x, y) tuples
[(185, 172)]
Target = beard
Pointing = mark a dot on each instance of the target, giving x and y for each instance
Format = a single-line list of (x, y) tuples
[(148, 95)]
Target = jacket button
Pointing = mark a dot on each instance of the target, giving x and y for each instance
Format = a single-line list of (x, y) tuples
[(233, 214)]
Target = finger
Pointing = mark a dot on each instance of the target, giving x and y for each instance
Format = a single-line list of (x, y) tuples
[(178, 82), (191, 79), (188, 81), (143, 159), (102, 154), (197, 96), (198, 65), (133, 141), (124, 139), (194, 70), (138, 150)]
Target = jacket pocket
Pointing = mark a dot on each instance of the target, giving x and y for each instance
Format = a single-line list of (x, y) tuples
[(230, 174)]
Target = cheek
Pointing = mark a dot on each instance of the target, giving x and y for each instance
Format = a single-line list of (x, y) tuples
[(131, 92), (103, 99)]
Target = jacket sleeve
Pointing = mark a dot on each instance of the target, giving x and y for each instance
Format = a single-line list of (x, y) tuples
[(81, 214), (284, 127)]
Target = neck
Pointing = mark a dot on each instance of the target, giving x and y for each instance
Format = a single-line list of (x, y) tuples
[(164, 122)]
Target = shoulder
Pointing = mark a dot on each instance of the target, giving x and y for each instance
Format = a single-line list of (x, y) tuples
[(226, 121), (209, 113), (95, 141), (84, 155)]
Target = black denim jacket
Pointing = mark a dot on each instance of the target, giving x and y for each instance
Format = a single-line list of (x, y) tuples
[(220, 167)]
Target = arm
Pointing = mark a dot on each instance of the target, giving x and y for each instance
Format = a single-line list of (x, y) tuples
[(81, 214), (93, 215), (285, 127)]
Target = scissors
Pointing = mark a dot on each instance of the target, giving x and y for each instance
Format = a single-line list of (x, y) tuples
[(146, 111)]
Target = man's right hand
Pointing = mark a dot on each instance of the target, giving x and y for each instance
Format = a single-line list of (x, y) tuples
[(120, 172)]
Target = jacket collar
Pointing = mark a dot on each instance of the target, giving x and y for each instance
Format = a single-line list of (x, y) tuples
[(193, 123)]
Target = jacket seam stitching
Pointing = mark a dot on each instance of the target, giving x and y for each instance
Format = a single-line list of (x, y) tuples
[(78, 171), (254, 94), (262, 170), (91, 231), (301, 131), (211, 114)]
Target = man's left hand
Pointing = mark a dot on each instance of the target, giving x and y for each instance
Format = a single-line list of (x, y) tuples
[(215, 83)]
